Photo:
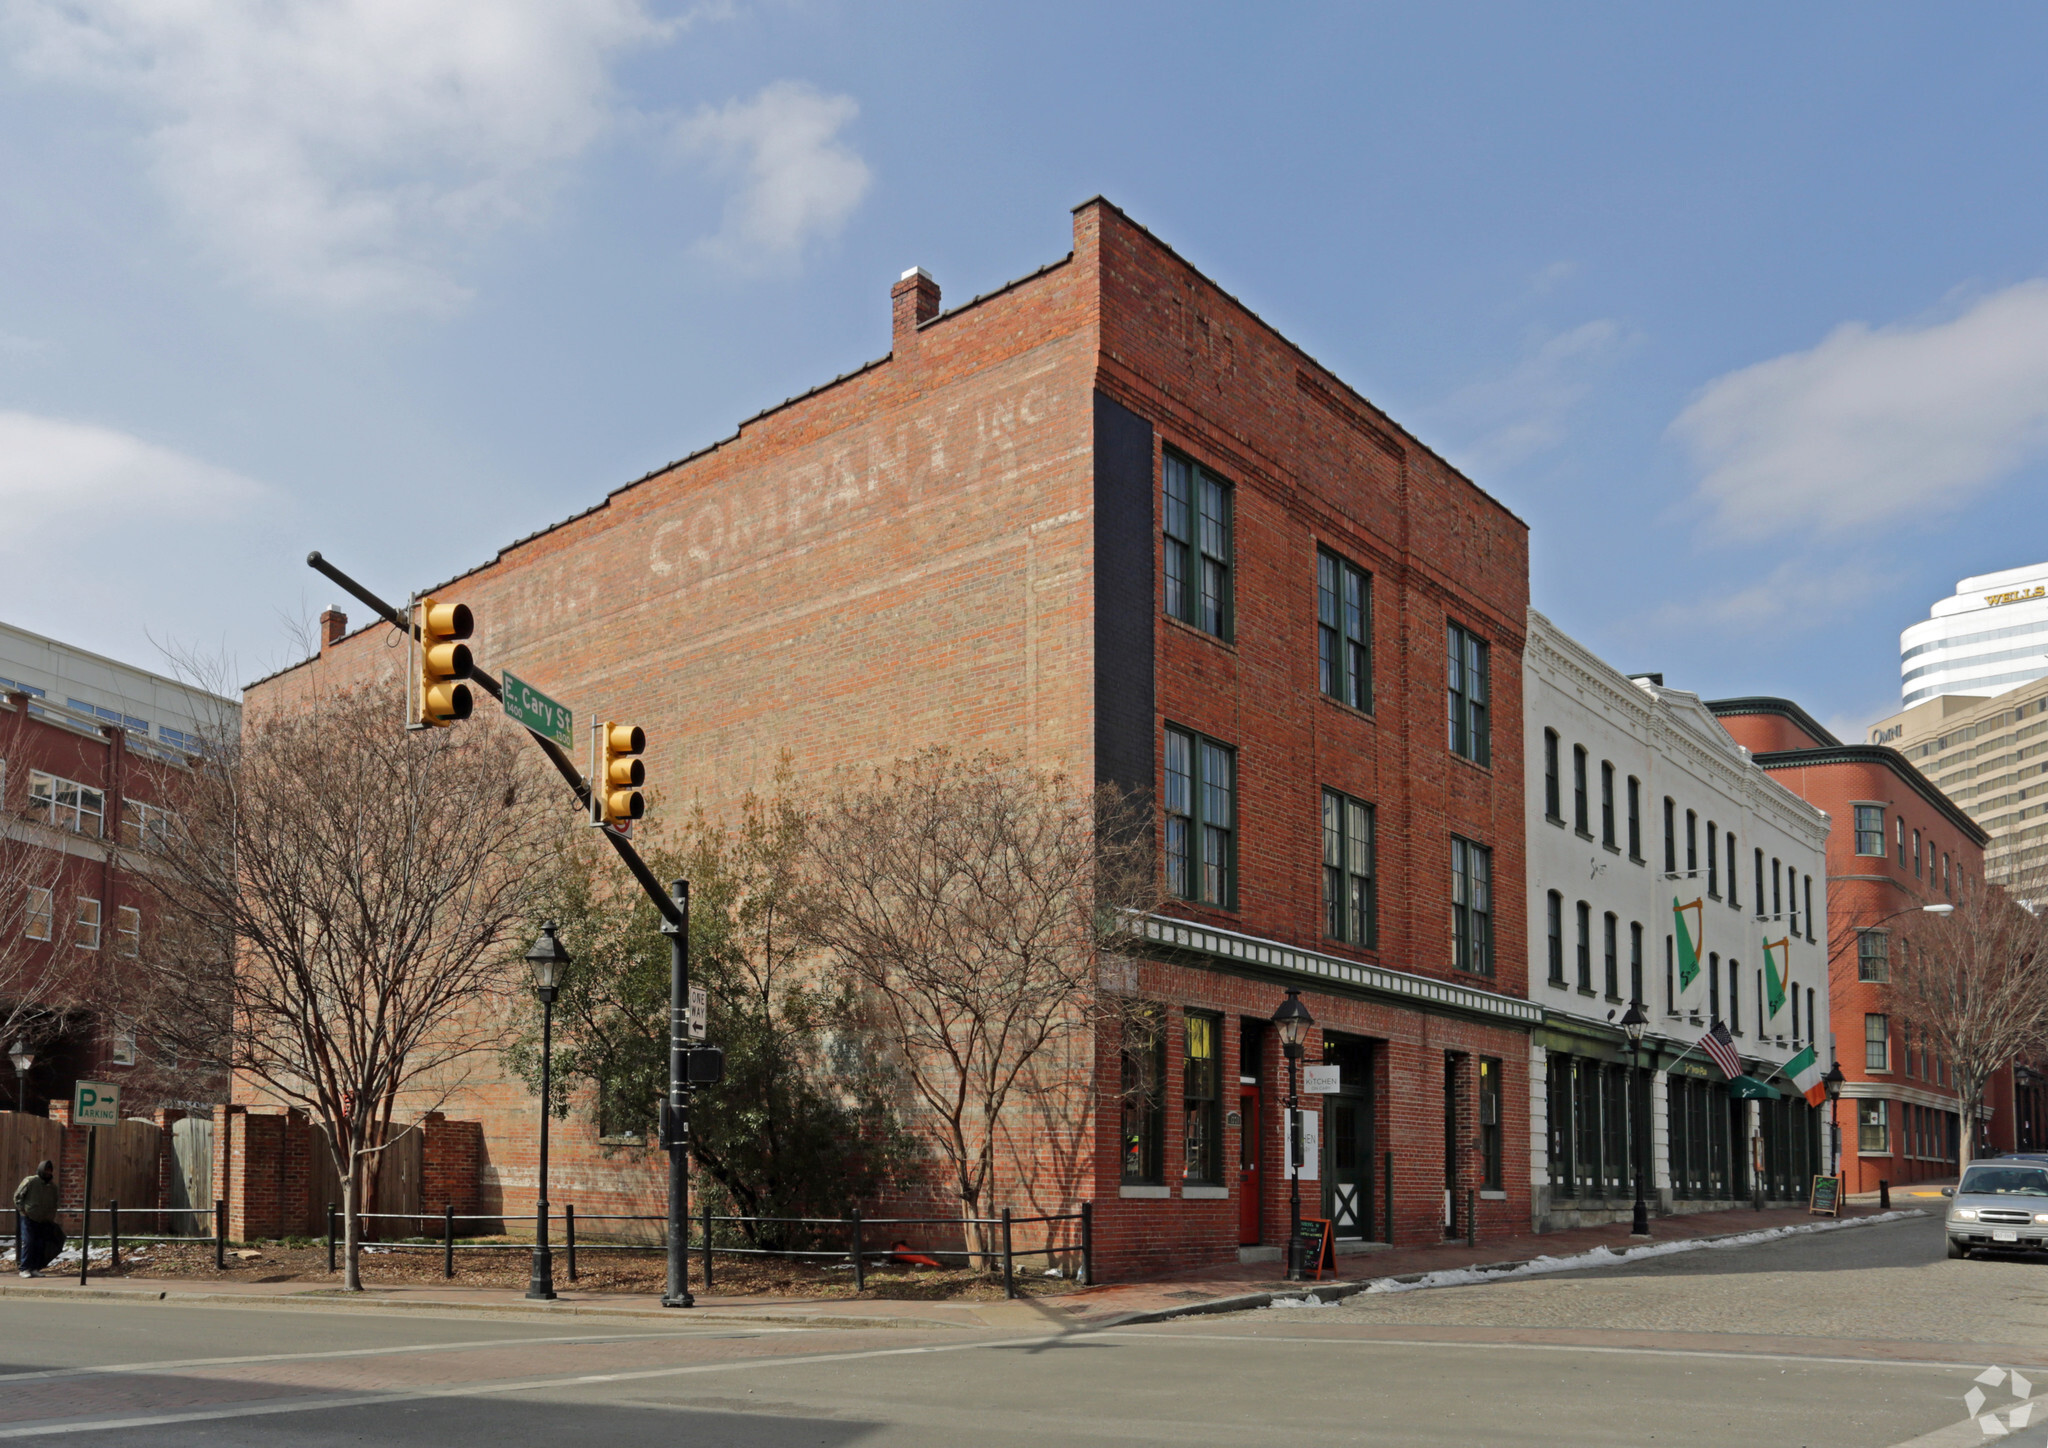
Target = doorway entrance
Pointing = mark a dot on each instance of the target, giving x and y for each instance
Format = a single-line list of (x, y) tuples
[(1348, 1145)]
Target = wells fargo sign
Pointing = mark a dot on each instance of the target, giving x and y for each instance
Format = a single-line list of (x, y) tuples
[(2018, 595)]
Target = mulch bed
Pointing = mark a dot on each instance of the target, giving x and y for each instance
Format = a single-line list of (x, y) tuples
[(642, 1273)]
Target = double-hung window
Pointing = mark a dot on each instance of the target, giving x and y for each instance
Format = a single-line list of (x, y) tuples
[(1611, 939), (1556, 938), (1344, 630), (144, 826), (1873, 955), (1916, 854), (1874, 1126), (1734, 876), (1490, 1178), (40, 917), (1877, 1043), (1198, 553), (128, 930), (1635, 963), (1713, 861), (1670, 835), (1553, 789), (1635, 819), (1202, 1099), (1585, 956), (1471, 734), (1350, 903), (85, 933), (1579, 791), (1144, 1097), (1869, 830), (1607, 804), (1471, 907), (1201, 818)]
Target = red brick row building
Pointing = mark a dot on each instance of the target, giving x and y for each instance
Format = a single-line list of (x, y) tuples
[(1106, 518)]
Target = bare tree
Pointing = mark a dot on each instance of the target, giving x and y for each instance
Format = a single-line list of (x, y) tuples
[(980, 904), (349, 900), (1972, 988)]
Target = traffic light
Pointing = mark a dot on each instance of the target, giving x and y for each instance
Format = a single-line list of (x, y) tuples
[(439, 696), (620, 773)]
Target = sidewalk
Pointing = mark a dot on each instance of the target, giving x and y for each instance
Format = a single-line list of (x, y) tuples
[(1227, 1288)]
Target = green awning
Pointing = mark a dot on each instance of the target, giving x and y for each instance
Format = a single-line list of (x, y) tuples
[(1748, 1088)]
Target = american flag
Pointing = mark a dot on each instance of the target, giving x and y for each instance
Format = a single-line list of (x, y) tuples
[(1721, 1046)]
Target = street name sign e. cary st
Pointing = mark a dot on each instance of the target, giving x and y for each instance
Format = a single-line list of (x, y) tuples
[(95, 1103), (545, 717)]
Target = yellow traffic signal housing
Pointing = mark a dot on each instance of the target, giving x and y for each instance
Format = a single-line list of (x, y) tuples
[(620, 773), (439, 695)]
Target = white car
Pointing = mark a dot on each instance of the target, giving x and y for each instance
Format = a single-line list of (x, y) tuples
[(2001, 1205)]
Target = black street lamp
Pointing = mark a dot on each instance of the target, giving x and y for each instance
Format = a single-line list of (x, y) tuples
[(1832, 1082), (23, 1058), (1633, 1023), (549, 963), (1293, 1021)]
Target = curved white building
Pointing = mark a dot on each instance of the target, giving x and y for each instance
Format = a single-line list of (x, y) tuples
[(1989, 637)]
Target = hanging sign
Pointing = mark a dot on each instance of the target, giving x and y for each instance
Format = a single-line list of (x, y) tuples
[(1309, 1168), (1321, 1080)]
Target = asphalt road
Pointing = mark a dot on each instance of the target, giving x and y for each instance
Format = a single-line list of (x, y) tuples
[(1863, 1338)]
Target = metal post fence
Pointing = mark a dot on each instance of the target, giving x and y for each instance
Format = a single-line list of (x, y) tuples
[(448, 1240), (114, 1235), (707, 1245), (1471, 1219), (1389, 1239), (569, 1235), (860, 1272), (1009, 1261), (330, 1237), (220, 1234), (1087, 1244), (92, 1136)]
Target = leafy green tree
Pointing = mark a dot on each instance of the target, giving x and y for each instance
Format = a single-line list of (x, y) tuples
[(801, 1125)]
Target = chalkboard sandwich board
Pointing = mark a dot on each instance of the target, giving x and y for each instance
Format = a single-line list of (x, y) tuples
[(1315, 1237), (1826, 1200)]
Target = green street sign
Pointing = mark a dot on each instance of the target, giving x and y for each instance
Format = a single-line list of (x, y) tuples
[(95, 1103), (538, 712)]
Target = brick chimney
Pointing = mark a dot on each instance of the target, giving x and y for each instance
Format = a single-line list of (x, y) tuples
[(915, 299), (333, 624)]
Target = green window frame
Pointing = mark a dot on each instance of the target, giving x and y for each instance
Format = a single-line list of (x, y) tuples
[(1471, 906), (1343, 630), (1202, 1098), (1197, 525), (1870, 830), (1350, 886), (1144, 1097), (1201, 818), (1469, 696), (1490, 1176)]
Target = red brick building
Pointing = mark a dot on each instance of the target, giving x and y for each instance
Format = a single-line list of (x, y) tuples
[(90, 754), (1896, 843), (1107, 518)]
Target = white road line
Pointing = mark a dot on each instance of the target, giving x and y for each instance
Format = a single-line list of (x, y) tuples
[(173, 1364)]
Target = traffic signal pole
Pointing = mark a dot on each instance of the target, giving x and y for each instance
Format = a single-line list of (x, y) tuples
[(675, 915)]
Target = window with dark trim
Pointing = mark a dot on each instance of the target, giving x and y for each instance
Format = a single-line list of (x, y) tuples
[(1198, 553), (1916, 854), (1350, 896), (1579, 791), (1760, 884), (1553, 790), (1202, 1098), (1471, 906), (1344, 630), (1692, 843), (1869, 830), (1877, 1043), (1713, 986), (1734, 995), (1635, 963), (1899, 830), (1471, 734), (1585, 956), (1670, 835), (1777, 898), (1713, 861), (1809, 911), (1873, 955), (1670, 978), (1635, 819), (1489, 1125), (1734, 876), (1792, 899), (1611, 940), (1144, 1097), (1556, 938), (1607, 804), (1201, 818)]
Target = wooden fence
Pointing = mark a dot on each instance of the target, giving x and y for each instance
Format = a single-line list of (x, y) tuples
[(25, 1141)]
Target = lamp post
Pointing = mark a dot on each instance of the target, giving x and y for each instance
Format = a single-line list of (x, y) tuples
[(23, 1058), (1832, 1082), (549, 962), (1293, 1021), (1633, 1023)]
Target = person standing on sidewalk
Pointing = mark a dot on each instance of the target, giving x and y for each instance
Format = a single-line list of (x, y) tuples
[(38, 1238)]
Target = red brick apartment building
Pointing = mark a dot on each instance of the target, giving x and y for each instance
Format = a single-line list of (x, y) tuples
[(1895, 843), (1107, 518), (90, 754)]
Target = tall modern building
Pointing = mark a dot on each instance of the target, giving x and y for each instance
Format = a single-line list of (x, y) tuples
[(1991, 757), (1991, 635)]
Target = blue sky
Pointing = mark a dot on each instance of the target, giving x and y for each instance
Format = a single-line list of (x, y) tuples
[(1746, 313)]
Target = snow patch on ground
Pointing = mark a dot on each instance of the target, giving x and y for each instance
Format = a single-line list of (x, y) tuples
[(1607, 1257)]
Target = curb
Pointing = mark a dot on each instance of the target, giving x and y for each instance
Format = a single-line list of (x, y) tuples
[(1329, 1292)]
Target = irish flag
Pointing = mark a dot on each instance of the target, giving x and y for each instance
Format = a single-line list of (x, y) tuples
[(1804, 1069), (1689, 941), (1774, 978)]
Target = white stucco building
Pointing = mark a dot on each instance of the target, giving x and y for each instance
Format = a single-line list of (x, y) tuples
[(1638, 799), (1989, 636)]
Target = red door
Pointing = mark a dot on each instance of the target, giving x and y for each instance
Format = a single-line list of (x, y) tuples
[(1249, 1178)]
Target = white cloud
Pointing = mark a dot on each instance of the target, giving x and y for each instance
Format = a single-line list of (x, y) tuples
[(1874, 424), (797, 179), (338, 151), (54, 473), (1798, 591), (1511, 419)]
